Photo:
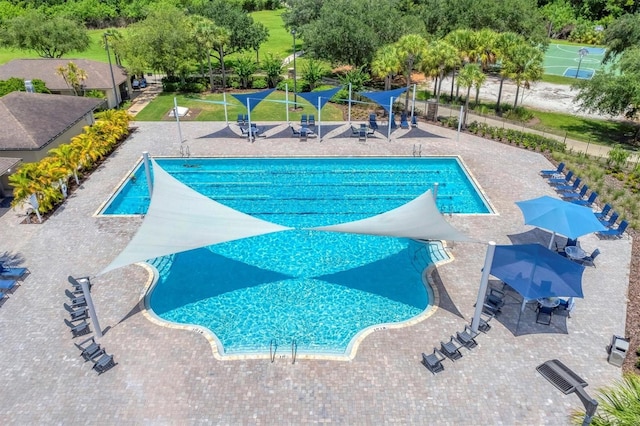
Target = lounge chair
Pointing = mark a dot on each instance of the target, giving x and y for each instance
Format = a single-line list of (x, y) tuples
[(17, 273), (104, 363), (392, 119), (558, 170), (312, 120), (561, 181), (78, 329), (611, 221), (450, 349), (89, 349), (567, 305), (588, 202), (296, 133), (433, 361), (575, 195), (467, 337), (363, 133), (494, 302), (544, 315), (484, 325), (241, 121), (617, 233), (569, 188), (7, 284), (76, 314), (355, 131), (303, 120), (373, 124), (589, 259), (404, 124), (605, 211)]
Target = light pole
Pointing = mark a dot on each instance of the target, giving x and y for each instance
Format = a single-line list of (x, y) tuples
[(113, 80), (582, 53), (295, 75)]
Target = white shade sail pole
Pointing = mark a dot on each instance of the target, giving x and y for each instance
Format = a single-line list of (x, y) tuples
[(484, 283), (226, 113), (286, 101), (460, 123), (175, 111), (147, 171), (86, 293), (413, 101), (319, 119), (390, 115), (249, 120), (349, 114)]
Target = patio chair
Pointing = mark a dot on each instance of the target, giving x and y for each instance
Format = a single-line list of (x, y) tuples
[(296, 133), (414, 121), (433, 361), (588, 202), (544, 315), (89, 349), (355, 131), (561, 181), (392, 120), (589, 260), (569, 188), (7, 284), (303, 120), (75, 298), (104, 363), (312, 120), (605, 211), (484, 325), (467, 337), (241, 121), (494, 301), (450, 349), (404, 124), (617, 233), (76, 314), (611, 221), (373, 124), (78, 329), (363, 133), (567, 305), (558, 170), (575, 195), (16, 273)]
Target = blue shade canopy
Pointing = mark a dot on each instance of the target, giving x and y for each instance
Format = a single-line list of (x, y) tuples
[(384, 98), (254, 98), (562, 217), (535, 271), (324, 96)]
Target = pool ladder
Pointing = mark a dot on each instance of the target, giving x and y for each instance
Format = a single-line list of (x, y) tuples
[(417, 150), (273, 348), (184, 151)]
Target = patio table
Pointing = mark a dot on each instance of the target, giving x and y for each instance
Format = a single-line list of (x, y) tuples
[(575, 252)]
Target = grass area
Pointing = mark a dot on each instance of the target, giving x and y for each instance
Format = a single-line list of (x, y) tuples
[(558, 79), (265, 111), (607, 132)]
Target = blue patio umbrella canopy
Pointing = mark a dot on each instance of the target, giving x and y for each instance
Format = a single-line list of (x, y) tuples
[(535, 271), (562, 217)]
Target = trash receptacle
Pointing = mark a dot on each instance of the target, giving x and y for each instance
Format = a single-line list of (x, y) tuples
[(618, 350)]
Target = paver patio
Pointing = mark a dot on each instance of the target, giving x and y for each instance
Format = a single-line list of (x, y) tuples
[(169, 376)]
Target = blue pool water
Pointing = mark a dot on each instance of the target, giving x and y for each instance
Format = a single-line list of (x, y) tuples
[(315, 288)]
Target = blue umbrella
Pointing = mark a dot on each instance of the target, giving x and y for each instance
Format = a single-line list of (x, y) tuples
[(569, 219), (536, 272)]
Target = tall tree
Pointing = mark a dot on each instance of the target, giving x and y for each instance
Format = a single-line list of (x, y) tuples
[(621, 35), (507, 47), (525, 67), (386, 64), (440, 59), (470, 75), (49, 37), (411, 49)]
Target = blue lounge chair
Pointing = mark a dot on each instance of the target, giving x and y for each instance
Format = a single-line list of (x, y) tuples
[(245, 118), (403, 121), (570, 195), (604, 212), (303, 120), (392, 119), (615, 232), (7, 284), (569, 188), (611, 221), (241, 121), (312, 120), (588, 202), (296, 133), (17, 273), (553, 172), (561, 181), (589, 260), (373, 124), (414, 121)]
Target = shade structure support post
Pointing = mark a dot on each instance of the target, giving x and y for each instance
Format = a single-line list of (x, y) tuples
[(147, 171), (460, 123), (390, 115), (484, 283), (435, 191), (226, 114), (413, 102), (249, 120), (175, 111), (286, 101), (553, 238), (86, 292), (349, 111), (319, 119)]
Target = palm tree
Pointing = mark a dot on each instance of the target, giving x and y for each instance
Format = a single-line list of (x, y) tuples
[(386, 64), (470, 75), (618, 404), (441, 58), (69, 157), (485, 49), (463, 41), (507, 44), (411, 50), (205, 34), (524, 67)]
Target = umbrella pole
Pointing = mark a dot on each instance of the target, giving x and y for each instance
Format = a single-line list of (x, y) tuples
[(484, 282)]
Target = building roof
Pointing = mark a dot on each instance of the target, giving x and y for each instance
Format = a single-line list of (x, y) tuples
[(31, 121), (98, 74), (7, 164)]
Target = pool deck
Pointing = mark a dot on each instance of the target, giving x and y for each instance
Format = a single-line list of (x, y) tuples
[(170, 376)]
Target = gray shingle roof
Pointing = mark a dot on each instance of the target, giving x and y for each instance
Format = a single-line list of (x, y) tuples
[(98, 75), (6, 164), (30, 121)]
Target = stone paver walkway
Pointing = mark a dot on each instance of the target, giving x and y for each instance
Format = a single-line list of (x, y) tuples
[(169, 376)]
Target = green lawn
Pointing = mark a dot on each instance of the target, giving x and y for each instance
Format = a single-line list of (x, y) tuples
[(265, 111)]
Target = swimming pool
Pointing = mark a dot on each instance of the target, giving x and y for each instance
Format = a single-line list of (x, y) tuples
[(313, 288)]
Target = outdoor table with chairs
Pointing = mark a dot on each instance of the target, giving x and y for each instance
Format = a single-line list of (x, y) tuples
[(575, 252)]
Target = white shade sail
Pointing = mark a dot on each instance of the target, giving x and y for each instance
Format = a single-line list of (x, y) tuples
[(181, 219), (418, 219)]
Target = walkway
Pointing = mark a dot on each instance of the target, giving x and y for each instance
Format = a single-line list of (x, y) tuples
[(168, 376)]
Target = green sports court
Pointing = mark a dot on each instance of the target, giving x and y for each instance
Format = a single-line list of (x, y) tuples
[(573, 61)]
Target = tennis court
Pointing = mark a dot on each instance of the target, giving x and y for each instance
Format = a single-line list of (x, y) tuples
[(573, 61)]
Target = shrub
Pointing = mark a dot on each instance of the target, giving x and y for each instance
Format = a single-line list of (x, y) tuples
[(259, 83)]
